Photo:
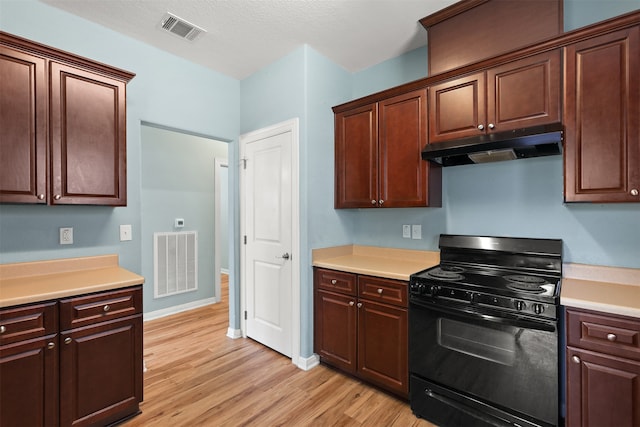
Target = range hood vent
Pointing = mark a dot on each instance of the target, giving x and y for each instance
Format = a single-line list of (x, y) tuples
[(537, 141), (180, 27)]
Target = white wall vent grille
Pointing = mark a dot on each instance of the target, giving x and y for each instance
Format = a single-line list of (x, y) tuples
[(175, 259), (180, 27)]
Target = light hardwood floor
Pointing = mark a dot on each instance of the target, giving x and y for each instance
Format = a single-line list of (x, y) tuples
[(196, 376)]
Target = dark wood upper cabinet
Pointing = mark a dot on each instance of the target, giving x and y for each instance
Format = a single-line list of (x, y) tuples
[(63, 121), (377, 155), (23, 125), (472, 30), (602, 118), (514, 95), (88, 134)]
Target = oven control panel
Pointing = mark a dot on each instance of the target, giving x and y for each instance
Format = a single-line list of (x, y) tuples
[(431, 291)]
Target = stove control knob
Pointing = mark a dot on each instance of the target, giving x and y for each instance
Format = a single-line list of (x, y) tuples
[(538, 308), (519, 305), (433, 290), (473, 297)]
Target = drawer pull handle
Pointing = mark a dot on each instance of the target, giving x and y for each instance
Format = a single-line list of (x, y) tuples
[(575, 359), (359, 305), (612, 337), (380, 291), (51, 345), (334, 281), (106, 308), (68, 340), (3, 329), (351, 303)]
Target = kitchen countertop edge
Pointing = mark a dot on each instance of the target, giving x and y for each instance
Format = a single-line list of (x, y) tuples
[(605, 289), (40, 281), (390, 263)]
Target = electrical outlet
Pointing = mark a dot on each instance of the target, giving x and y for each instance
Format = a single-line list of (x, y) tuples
[(416, 231), (125, 233), (406, 231), (66, 236)]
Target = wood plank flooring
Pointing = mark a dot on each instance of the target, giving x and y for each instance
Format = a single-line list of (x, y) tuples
[(196, 376)]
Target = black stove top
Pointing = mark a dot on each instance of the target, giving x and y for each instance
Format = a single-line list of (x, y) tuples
[(512, 274)]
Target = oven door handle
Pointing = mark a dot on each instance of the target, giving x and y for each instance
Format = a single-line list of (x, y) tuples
[(503, 318)]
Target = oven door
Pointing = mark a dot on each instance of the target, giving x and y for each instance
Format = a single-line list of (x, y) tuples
[(505, 361)]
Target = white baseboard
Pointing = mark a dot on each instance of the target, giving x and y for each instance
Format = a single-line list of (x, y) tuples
[(308, 363), (177, 309), (234, 333)]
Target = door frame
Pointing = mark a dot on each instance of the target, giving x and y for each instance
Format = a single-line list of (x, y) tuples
[(292, 126), (219, 164)]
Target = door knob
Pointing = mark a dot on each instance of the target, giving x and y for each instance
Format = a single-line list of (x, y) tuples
[(285, 256)]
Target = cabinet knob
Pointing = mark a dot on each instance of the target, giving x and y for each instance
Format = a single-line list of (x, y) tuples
[(373, 202), (634, 192), (51, 345), (612, 337), (359, 305), (380, 291), (67, 340), (351, 303), (40, 196), (492, 126), (381, 202), (480, 127), (575, 359), (106, 308), (57, 197), (334, 281), (3, 329)]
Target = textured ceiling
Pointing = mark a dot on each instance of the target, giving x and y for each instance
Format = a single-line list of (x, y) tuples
[(243, 36)]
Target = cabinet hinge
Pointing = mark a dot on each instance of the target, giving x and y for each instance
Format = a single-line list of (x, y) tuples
[(245, 239), (244, 163), (245, 315)]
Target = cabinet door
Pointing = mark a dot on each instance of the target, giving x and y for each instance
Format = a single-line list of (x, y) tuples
[(382, 345), (602, 118), (23, 140), (356, 158), (524, 93), (602, 390), (101, 372), (335, 329), (29, 383), (88, 134), (404, 176), (457, 108)]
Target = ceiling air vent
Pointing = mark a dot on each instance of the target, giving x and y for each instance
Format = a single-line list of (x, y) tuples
[(180, 27)]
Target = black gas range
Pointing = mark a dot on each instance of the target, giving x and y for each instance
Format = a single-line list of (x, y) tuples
[(483, 333)]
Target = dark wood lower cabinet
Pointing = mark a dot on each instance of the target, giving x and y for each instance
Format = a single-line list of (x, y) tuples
[(603, 369), (74, 362), (100, 372), (29, 382), (361, 327)]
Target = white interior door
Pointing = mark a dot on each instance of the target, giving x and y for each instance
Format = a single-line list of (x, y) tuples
[(267, 173)]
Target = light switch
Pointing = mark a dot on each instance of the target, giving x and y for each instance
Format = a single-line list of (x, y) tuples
[(406, 231), (416, 231), (125, 232)]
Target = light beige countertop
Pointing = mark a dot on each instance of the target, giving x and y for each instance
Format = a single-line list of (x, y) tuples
[(390, 263), (28, 282), (607, 289)]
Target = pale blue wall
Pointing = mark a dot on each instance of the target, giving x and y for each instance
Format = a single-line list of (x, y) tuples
[(167, 90), (178, 182)]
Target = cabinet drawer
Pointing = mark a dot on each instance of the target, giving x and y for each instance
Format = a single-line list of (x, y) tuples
[(610, 334), (27, 322), (384, 290), (337, 281), (89, 309)]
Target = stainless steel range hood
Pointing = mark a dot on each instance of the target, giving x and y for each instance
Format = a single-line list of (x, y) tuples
[(545, 140)]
